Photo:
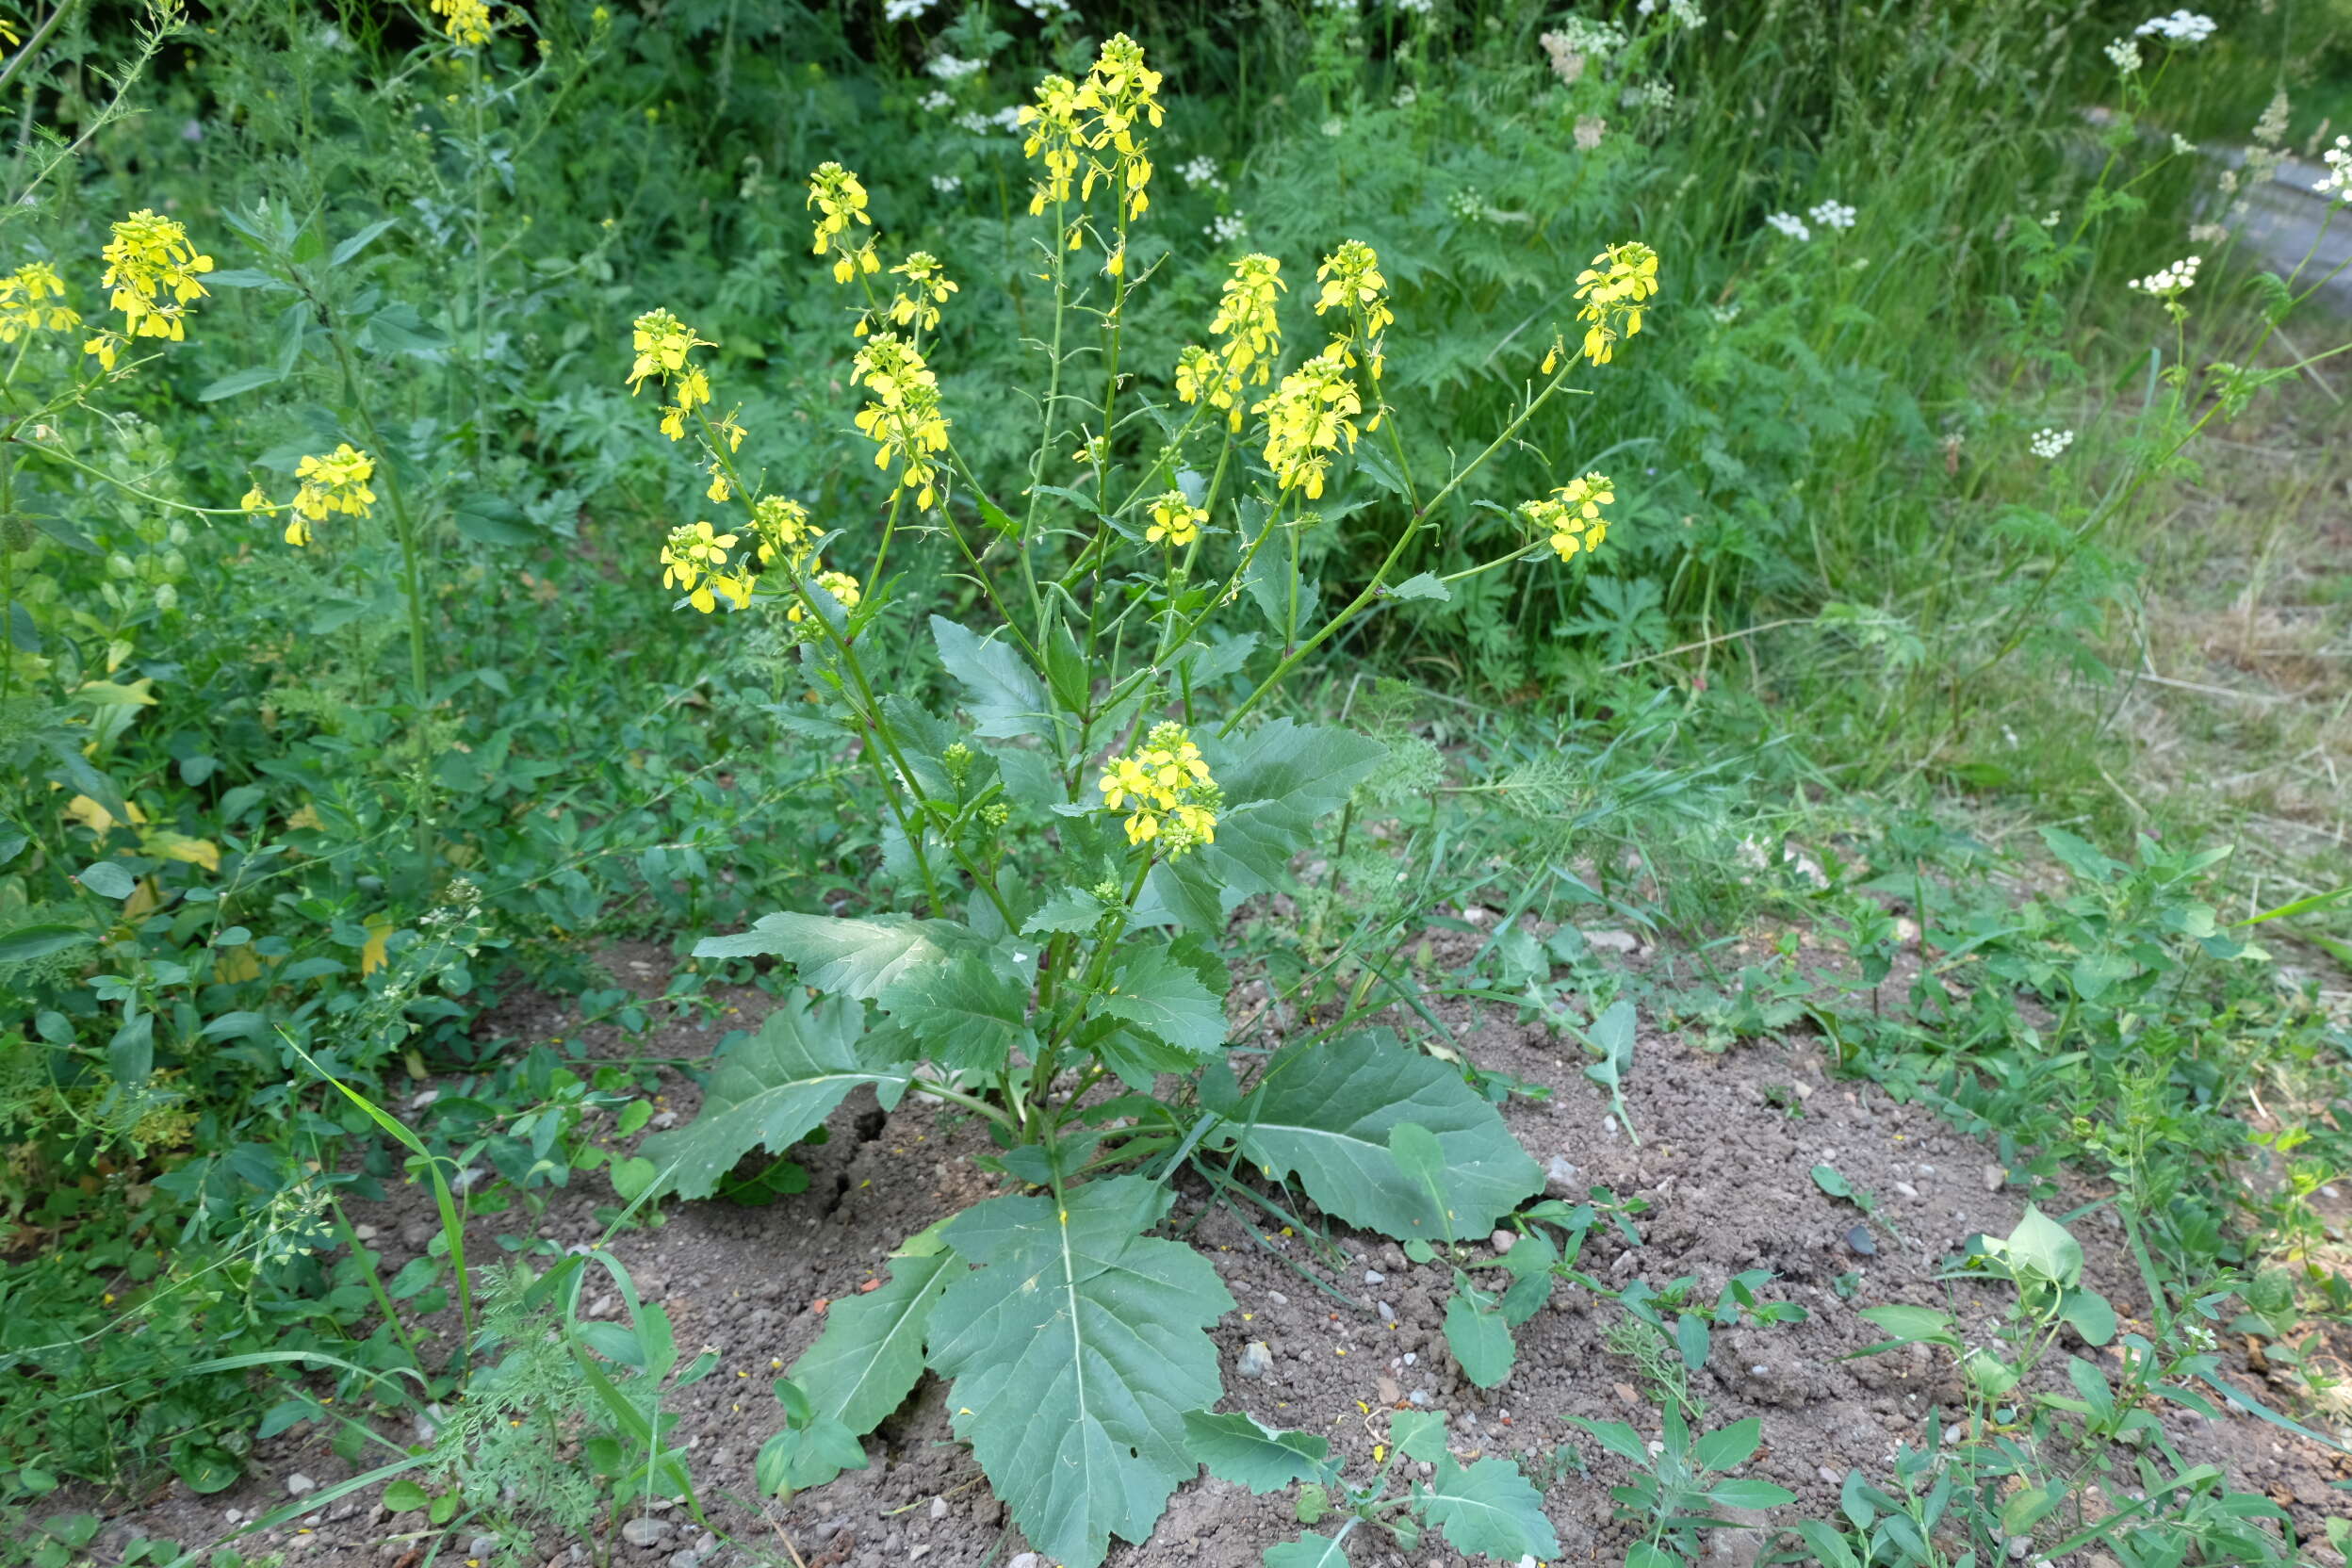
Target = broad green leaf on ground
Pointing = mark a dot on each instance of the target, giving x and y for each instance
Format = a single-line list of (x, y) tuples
[(1311, 1550), (772, 1087), (1728, 1447), (857, 959), (1238, 1449), (863, 1366), (1419, 1434), (1076, 1346), (1487, 1508), (1325, 1112), (1481, 1341), (969, 1013), (1161, 995), (1002, 692)]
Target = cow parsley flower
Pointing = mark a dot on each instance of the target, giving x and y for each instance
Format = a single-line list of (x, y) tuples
[(905, 11), (2338, 180), (2051, 443), (1789, 224), (2125, 54), (2171, 282), (2182, 26), (1831, 215)]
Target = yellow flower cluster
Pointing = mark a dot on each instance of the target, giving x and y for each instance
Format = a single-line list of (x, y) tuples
[(1175, 521), (148, 258), (1072, 124), (1614, 290), (917, 303), (1309, 416), (338, 482), (1252, 339), (1351, 282), (1165, 788), (903, 421), (32, 299), (841, 202), (694, 562), (665, 347), (1571, 515), (468, 21), (782, 526), (842, 586)]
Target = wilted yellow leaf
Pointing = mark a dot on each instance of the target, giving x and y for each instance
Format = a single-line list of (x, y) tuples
[(236, 966), (179, 846), (380, 930), (307, 817), (97, 818), (143, 901)]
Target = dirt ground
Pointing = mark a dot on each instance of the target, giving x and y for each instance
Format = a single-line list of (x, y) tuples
[(1726, 1145)]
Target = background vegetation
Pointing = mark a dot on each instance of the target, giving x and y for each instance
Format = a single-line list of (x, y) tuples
[(274, 814)]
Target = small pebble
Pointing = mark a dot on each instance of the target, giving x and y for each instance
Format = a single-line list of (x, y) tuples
[(938, 1508), (1859, 1243), (1502, 1241), (1276, 1298), (1374, 1277), (1994, 1178), (645, 1531), (1906, 1189), (1255, 1362), (298, 1483)]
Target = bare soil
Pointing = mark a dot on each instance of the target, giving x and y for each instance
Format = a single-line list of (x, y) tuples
[(1725, 1146)]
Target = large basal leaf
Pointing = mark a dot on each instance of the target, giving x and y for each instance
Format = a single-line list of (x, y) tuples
[(1325, 1112), (1002, 692), (1077, 1347), (1489, 1508), (968, 1014), (1311, 1550), (860, 957), (866, 1362), (1238, 1449), (776, 1085)]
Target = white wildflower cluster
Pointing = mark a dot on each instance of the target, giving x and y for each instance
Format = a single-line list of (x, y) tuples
[(2338, 180), (947, 184), (1590, 129), (1655, 96), (2051, 443), (1345, 7), (2182, 146), (1334, 127), (1407, 96), (1226, 228), (1581, 35), (905, 11), (948, 68), (2209, 233), (1046, 10), (1200, 171), (1831, 215), (2271, 129), (2170, 281), (2125, 54), (1417, 8), (2182, 26), (1789, 224), (936, 100), (1006, 120), (1685, 11), (1468, 204)]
